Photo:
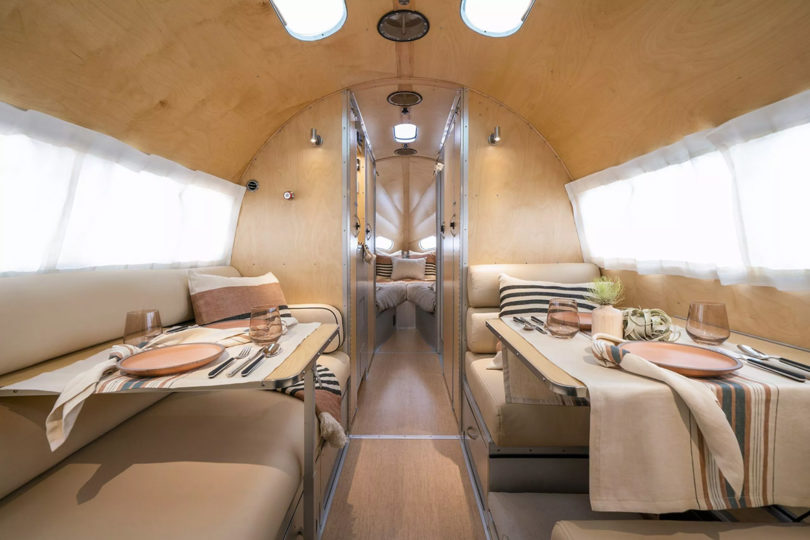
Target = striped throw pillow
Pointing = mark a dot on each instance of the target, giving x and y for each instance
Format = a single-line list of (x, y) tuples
[(385, 265), (218, 298), (520, 297), (430, 264)]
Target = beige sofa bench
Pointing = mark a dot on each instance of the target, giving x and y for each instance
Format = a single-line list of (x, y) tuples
[(212, 464), (676, 530), (505, 439)]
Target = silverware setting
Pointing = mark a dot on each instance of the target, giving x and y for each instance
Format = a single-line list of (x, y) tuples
[(241, 366), (773, 369), (750, 351), (270, 350), (528, 326), (220, 368)]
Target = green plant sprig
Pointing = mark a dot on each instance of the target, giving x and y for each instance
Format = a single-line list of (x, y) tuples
[(606, 291)]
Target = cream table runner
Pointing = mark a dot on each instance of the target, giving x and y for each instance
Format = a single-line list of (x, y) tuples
[(647, 453)]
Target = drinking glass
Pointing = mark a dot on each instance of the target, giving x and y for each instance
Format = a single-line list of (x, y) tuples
[(563, 318), (265, 325), (707, 323), (142, 326)]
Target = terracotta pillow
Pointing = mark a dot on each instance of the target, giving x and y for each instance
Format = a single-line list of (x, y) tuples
[(215, 298)]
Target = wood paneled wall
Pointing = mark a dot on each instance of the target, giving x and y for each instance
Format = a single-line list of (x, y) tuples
[(761, 311), (517, 206), (300, 241)]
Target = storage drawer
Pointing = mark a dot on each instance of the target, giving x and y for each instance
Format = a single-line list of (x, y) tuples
[(477, 446)]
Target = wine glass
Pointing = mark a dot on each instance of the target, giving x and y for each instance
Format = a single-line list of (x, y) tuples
[(142, 326), (265, 325), (563, 318), (707, 323)]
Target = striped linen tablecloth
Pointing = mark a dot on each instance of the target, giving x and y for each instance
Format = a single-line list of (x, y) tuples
[(647, 451)]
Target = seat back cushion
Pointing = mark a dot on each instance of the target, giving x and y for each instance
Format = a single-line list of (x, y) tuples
[(47, 315), (482, 280), (321, 313), (483, 293)]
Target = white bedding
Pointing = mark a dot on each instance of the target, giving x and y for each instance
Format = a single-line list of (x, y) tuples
[(390, 294), (423, 294)]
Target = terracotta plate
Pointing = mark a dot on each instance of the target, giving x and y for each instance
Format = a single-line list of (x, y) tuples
[(688, 360), (171, 359), (584, 321), (225, 325)]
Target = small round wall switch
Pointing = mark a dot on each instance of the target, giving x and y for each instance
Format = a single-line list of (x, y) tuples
[(289, 195)]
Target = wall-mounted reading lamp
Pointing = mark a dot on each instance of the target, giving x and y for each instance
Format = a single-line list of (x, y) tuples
[(495, 136), (314, 138)]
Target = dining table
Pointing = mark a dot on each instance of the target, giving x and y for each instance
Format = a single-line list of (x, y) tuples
[(647, 452), (298, 363)]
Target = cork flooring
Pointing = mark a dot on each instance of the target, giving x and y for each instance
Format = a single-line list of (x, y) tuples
[(400, 486)]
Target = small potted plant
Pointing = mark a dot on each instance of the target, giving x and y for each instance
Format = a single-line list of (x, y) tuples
[(606, 319)]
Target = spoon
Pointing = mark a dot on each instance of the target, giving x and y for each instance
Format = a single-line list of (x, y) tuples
[(750, 351), (270, 350)]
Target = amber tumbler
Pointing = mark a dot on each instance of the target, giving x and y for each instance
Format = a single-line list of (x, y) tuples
[(707, 323)]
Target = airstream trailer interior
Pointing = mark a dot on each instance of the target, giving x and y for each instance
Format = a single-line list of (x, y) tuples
[(405, 269)]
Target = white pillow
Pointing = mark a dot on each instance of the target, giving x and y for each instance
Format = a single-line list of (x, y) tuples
[(496, 362), (408, 269)]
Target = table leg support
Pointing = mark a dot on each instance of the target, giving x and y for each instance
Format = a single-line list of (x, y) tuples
[(310, 529)]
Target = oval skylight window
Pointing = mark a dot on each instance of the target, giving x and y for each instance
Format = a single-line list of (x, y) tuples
[(426, 244), (405, 133), (495, 18), (383, 243), (310, 20)]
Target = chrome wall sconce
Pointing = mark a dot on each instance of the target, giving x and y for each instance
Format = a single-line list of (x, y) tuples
[(314, 138), (495, 136)]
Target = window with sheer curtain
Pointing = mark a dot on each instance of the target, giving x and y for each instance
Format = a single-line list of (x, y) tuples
[(731, 203), (72, 198)]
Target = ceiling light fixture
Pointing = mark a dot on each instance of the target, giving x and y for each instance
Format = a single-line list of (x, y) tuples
[(405, 151), (495, 136), (314, 138), (405, 133), (310, 20), (403, 25), (495, 18)]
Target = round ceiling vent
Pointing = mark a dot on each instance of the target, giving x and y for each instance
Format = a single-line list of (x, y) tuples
[(404, 98), (405, 151), (403, 25)]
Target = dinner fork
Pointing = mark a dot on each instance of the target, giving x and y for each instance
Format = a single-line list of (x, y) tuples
[(220, 368)]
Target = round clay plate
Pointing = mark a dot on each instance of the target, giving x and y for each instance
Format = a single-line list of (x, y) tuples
[(685, 359), (585, 321), (170, 360)]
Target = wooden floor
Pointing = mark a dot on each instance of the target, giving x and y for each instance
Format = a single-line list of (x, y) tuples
[(404, 487)]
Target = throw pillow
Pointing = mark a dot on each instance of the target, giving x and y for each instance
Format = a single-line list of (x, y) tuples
[(216, 298), (408, 269), (519, 296)]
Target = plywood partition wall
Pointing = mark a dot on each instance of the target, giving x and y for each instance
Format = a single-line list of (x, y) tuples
[(761, 311), (300, 241), (518, 209)]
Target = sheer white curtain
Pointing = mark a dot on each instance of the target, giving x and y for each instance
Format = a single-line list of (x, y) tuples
[(728, 203), (73, 198)]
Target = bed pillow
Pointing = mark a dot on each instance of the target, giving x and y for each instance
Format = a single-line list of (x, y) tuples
[(215, 298), (408, 269), (384, 266), (520, 297), (430, 263)]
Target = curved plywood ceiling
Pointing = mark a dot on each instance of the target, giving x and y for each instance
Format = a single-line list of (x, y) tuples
[(206, 82)]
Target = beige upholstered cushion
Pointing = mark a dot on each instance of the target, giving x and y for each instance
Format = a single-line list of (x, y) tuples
[(24, 451), (480, 339), (80, 309), (521, 425), (530, 516), (482, 279), (215, 297), (322, 313), (470, 357), (195, 465), (408, 269), (676, 530)]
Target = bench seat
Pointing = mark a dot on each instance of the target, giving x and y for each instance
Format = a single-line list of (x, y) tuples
[(213, 464), (676, 530)]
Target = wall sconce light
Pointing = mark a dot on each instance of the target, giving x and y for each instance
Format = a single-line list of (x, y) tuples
[(314, 138), (495, 136)]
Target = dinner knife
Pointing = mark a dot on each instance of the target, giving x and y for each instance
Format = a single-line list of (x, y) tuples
[(793, 363), (775, 369), (270, 350), (220, 368)]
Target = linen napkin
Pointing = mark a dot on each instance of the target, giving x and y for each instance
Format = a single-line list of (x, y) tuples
[(700, 400), (62, 417)]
